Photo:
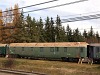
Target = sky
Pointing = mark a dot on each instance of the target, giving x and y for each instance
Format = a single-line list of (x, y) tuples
[(69, 11)]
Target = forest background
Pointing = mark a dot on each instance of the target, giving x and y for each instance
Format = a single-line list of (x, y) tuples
[(17, 28)]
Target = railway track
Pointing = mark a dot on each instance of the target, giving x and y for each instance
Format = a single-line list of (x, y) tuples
[(16, 72)]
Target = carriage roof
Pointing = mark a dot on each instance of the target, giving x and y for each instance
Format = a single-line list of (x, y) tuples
[(53, 44)]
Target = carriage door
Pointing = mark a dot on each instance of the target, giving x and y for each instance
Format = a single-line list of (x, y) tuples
[(90, 51)]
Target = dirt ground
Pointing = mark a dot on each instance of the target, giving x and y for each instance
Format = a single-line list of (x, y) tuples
[(1, 73)]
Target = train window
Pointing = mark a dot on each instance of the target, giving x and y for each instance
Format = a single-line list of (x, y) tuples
[(57, 49), (81, 49), (65, 49), (51, 49), (41, 49)]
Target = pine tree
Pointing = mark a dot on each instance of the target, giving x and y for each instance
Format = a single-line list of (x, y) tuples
[(63, 35), (91, 32), (19, 31), (85, 34), (1, 26), (69, 34), (77, 36), (97, 34), (91, 36), (47, 30), (28, 29), (58, 29), (52, 30), (97, 37), (37, 32), (41, 30)]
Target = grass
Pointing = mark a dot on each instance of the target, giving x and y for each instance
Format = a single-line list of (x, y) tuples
[(53, 67)]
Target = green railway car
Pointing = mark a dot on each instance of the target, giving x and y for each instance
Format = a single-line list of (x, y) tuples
[(3, 48), (56, 50), (94, 51)]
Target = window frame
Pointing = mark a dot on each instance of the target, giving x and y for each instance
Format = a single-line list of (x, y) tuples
[(51, 49), (41, 49), (56, 49), (65, 49)]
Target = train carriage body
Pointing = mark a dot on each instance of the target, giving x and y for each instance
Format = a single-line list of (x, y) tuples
[(3, 48), (94, 51), (56, 50)]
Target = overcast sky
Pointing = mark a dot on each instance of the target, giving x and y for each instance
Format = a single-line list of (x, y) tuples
[(72, 10)]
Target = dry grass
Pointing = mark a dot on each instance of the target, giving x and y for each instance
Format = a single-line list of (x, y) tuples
[(54, 67)]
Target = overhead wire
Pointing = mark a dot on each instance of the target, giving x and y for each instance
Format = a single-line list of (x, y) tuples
[(56, 6), (32, 5), (81, 14), (51, 7), (66, 20), (82, 18)]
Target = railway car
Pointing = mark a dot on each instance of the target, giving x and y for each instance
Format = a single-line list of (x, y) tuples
[(93, 51), (3, 48), (58, 50)]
